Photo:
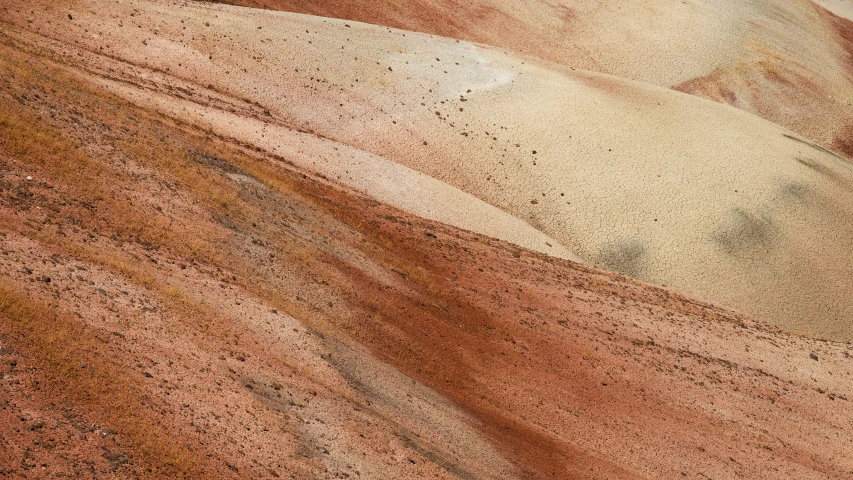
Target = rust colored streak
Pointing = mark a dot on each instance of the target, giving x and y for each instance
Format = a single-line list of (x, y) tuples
[(844, 31), (486, 346), (458, 349), (844, 143), (711, 86)]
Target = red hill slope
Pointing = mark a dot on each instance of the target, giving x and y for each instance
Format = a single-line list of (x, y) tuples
[(177, 304)]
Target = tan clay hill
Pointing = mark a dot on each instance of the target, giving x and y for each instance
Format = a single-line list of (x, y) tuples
[(227, 252), (790, 62)]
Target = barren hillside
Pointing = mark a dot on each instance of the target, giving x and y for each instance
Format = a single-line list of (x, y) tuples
[(227, 250), (663, 186), (790, 62)]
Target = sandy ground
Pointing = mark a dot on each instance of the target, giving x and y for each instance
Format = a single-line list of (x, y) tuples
[(787, 61), (376, 176), (649, 182), (180, 299), (328, 335)]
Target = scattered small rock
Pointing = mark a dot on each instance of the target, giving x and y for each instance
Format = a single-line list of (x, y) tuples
[(813, 356), (36, 426)]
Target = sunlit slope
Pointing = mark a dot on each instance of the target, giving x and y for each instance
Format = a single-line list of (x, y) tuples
[(789, 61), (842, 8), (380, 178), (175, 304), (656, 184)]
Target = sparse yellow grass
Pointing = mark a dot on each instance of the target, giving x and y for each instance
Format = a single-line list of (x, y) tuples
[(105, 390), (168, 150), (28, 138)]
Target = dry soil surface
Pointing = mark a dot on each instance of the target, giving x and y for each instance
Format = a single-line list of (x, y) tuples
[(656, 184), (178, 299), (789, 61)]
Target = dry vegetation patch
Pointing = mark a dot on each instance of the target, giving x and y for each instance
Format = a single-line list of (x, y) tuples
[(80, 372)]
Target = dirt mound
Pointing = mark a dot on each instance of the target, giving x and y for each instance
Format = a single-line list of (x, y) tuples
[(784, 61)]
